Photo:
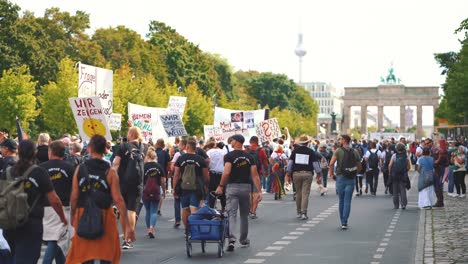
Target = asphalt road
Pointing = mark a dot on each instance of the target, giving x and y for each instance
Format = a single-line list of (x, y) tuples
[(377, 234)]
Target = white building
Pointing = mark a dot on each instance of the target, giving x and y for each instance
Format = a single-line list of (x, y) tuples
[(329, 99)]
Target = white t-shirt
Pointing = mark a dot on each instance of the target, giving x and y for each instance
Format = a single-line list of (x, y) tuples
[(216, 159), (379, 155)]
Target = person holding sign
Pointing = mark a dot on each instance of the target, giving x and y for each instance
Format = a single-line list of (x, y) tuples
[(302, 163)]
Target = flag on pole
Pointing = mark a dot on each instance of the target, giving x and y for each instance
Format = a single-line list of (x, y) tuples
[(21, 134)]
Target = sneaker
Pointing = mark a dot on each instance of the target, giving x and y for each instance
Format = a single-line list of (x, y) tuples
[(150, 235), (365, 190), (299, 215), (159, 212), (253, 216), (462, 195), (344, 226), (403, 207), (230, 247), (127, 245), (245, 244), (304, 217), (176, 225), (360, 192)]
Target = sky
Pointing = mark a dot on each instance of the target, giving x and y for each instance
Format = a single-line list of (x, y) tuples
[(348, 43)]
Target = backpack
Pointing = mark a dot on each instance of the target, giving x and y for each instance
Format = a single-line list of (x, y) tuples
[(14, 207), (348, 164), (388, 157), (373, 160), (400, 166), (189, 177), (152, 190), (256, 157), (323, 163), (135, 166), (91, 223)]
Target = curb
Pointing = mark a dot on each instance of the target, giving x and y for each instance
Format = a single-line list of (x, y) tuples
[(419, 256)]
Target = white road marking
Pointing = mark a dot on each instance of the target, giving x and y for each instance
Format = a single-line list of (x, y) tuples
[(377, 256), (302, 229), (310, 225), (296, 233), (282, 243), (255, 261), (265, 254), (290, 237), (380, 249), (274, 248)]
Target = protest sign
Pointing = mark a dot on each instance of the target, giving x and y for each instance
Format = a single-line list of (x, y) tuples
[(115, 121), (268, 130), (90, 117), (147, 119), (96, 82), (389, 135), (213, 132), (173, 125), (238, 121), (177, 105)]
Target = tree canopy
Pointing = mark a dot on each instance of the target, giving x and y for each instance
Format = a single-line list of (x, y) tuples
[(38, 56)]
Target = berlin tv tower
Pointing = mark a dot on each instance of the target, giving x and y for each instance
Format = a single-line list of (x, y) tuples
[(300, 52)]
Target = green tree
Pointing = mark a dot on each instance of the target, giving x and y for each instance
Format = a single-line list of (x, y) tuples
[(9, 53), (56, 110), (198, 111), (17, 90)]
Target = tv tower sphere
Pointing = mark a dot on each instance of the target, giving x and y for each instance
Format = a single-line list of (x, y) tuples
[(300, 51)]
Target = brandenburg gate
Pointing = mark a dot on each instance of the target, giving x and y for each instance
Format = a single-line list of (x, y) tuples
[(389, 95)]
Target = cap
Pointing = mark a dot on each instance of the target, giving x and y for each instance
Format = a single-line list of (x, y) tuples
[(4, 131), (9, 144), (238, 138)]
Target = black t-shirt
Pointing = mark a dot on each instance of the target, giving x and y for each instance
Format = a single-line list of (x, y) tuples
[(97, 170), (42, 154), (241, 164), (61, 175), (163, 158), (303, 158), (37, 185), (202, 153), (189, 158), (123, 154), (6, 162), (153, 169)]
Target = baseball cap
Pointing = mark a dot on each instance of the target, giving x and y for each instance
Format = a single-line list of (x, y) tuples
[(9, 144), (238, 138)]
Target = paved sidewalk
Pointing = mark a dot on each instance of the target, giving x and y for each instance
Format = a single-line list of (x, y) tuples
[(443, 233)]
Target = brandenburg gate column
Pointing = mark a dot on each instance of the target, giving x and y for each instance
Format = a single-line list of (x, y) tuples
[(346, 118), (402, 119), (419, 128), (363, 119), (379, 118)]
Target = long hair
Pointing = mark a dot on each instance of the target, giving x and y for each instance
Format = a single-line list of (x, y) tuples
[(27, 156)]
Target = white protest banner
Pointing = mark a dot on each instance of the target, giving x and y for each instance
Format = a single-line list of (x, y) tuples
[(238, 121), (115, 121), (177, 105), (90, 117), (147, 119), (96, 82), (389, 135), (173, 125), (268, 129), (213, 132)]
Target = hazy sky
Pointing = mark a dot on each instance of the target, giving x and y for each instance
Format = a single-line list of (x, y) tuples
[(348, 43)]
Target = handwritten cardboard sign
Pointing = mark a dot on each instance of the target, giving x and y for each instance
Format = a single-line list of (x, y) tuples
[(90, 117), (173, 125), (268, 129), (96, 82)]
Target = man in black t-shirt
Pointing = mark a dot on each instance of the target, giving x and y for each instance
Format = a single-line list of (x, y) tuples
[(8, 148), (61, 175), (240, 172), (191, 199)]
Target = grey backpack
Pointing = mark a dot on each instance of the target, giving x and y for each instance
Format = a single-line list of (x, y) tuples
[(14, 207)]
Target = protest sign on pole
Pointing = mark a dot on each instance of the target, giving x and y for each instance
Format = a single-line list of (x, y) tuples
[(96, 82), (213, 132), (90, 117), (147, 119), (115, 121), (177, 105), (268, 130), (173, 125), (238, 121)]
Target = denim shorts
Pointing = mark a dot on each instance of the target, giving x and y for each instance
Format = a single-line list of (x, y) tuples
[(189, 199)]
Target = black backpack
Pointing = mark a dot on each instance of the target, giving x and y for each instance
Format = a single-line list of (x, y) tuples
[(254, 154), (373, 160), (400, 165), (349, 163), (135, 166)]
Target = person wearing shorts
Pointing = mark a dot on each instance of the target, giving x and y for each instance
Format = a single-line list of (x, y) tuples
[(190, 200)]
